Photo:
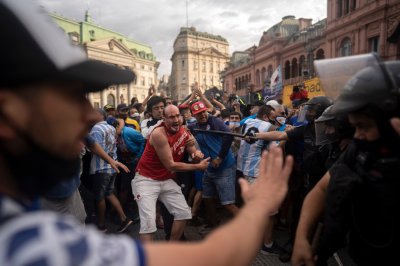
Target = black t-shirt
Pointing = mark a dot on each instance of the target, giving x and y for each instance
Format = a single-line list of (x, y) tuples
[(314, 157)]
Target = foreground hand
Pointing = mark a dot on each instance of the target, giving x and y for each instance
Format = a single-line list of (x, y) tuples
[(116, 165), (272, 183)]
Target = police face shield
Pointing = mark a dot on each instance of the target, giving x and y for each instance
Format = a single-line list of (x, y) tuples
[(307, 113), (302, 113), (357, 81), (325, 132)]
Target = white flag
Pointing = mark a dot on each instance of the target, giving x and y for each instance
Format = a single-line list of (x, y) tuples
[(276, 80)]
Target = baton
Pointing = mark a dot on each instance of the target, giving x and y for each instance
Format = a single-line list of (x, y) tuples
[(218, 132)]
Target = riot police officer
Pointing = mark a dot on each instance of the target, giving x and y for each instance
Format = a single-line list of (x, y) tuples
[(361, 188)]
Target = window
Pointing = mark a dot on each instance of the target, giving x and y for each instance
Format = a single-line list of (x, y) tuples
[(194, 65), (211, 67), (345, 48), (150, 68), (183, 63), (258, 80), (339, 8), (142, 81), (92, 35), (142, 67), (374, 44), (203, 66), (204, 79), (150, 81), (111, 99)]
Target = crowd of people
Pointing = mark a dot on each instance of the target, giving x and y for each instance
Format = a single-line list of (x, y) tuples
[(324, 168)]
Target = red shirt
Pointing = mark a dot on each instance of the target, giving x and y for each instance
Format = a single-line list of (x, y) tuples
[(150, 165)]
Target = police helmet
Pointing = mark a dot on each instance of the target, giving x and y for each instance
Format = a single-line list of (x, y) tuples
[(374, 86)]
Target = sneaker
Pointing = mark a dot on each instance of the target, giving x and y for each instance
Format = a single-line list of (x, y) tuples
[(102, 229), (274, 250), (124, 225)]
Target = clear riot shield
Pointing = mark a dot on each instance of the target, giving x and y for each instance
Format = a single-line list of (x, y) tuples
[(336, 72), (365, 73)]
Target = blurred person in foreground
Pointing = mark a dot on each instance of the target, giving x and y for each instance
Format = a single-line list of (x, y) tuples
[(44, 81)]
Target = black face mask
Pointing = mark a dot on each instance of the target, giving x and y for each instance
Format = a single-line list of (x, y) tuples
[(35, 170), (368, 146)]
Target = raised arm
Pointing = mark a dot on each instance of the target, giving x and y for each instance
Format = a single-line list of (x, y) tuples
[(149, 95), (220, 105), (261, 200)]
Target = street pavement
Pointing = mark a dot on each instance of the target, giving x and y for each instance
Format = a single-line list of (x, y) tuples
[(192, 234)]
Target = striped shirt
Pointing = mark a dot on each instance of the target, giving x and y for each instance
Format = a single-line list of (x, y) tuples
[(32, 237), (105, 136), (249, 155)]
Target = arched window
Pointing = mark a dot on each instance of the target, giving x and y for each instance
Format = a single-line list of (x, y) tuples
[(295, 68), (263, 74), (287, 70), (345, 47), (320, 54), (258, 79), (111, 99)]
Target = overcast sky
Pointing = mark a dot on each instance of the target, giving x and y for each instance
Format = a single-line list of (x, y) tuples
[(157, 22)]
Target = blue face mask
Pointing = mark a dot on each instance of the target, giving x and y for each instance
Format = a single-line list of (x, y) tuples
[(234, 124)]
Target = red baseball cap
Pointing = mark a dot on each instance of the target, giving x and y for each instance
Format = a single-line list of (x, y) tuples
[(198, 107)]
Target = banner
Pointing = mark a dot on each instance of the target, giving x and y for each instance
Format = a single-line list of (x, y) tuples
[(312, 86)]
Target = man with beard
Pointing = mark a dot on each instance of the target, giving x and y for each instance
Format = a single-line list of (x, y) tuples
[(359, 194), (164, 151), (44, 117)]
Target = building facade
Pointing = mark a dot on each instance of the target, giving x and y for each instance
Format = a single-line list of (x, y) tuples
[(352, 27), (114, 48), (198, 57)]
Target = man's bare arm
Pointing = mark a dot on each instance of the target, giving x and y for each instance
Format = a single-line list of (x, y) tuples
[(98, 150), (261, 200), (159, 141), (272, 135)]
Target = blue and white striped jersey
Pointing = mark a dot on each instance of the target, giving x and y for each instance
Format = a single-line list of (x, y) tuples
[(47, 238), (105, 136), (249, 155)]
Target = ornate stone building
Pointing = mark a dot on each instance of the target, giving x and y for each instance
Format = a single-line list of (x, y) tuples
[(114, 48), (198, 57), (351, 27)]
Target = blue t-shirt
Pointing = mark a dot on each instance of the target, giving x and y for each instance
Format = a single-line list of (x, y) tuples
[(214, 145)]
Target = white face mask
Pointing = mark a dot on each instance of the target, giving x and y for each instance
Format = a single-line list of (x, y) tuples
[(234, 124), (280, 119), (135, 114)]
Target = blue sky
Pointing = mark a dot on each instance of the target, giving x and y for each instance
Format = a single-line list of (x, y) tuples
[(157, 23)]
